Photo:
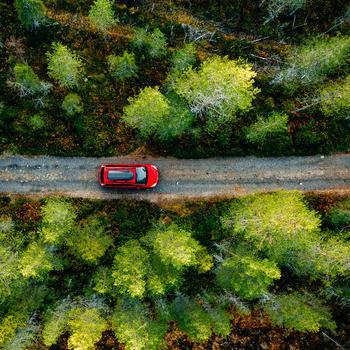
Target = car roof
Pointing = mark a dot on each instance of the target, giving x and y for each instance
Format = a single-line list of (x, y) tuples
[(115, 175)]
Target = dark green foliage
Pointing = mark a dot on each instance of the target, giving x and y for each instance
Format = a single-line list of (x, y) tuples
[(300, 312), (122, 67), (270, 134), (134, 326), (153, 42), (183, 58), (72, 104), (339, 216), (247, 276), (101, 15), (31, 13)]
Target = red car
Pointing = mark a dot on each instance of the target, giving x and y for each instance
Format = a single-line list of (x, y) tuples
[(128, 175)]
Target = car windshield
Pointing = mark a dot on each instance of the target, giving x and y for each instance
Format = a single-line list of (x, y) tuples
[(117, 175), (141, 175)]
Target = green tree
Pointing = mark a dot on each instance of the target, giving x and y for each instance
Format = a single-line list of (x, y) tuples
[(280, 224), (183, 58), (90, 240), (155, 114), (9, 271), (36, 261), (191, 319), (31, 13), (270, 134), (58, 218), (131, 266), (147, 111), (55, 321), (176, 247), (28, 84), (219, 91), (299, 312), (134, 326), (101, 15), (312, 62), (338, 217), (335, 99), (64, 66), (86, 325), (122, 67), (72, 104), (153, 42), (247, 276)]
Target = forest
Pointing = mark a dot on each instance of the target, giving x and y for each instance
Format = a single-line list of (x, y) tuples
[(185, 78), (264, 271), (189, 79)]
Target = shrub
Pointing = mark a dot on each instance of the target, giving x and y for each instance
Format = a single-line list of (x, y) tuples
[(219, 91), (72, 104), (31, 13), (312, 62), (90, 240), (270, 134), (131, 265), (248, 277), (28, 84), (299, 312), (64, 66), (122, 67), (339, 216), (101, 15), (86, 326), (153, 42), (58, 219), (134, 326), (335, 99), (36, 122), (183, 58)]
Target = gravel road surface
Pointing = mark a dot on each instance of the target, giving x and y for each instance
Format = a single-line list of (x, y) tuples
[(179, 178)]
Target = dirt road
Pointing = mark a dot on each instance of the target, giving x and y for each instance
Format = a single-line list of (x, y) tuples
[(179, 178)]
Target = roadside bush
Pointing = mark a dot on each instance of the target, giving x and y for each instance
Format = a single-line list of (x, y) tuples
[(31, 13), (312, 62), (219, 91), (335, 99), (58, 218), (271, 134), (134, 326), (28, 84), (64, 66), (101, 15), (247, 276), (153, 42), (72, 104), (299, 312), (122, 67)]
